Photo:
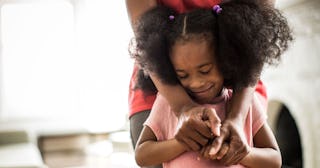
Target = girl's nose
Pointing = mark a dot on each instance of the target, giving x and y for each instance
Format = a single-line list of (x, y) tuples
[(196, 83)]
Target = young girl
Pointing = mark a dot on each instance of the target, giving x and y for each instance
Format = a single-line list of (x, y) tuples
[(207, 51)]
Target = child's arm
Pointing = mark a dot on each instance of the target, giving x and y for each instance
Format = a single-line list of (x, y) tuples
[(265, 152), (149, 151)]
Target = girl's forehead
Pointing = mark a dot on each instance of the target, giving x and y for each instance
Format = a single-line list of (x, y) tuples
[(194, 37), (191, 51)]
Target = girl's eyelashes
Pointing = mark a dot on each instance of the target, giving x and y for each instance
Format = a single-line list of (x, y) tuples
[(205, 72), (182, 76)]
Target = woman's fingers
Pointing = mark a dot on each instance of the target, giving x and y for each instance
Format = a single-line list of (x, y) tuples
[(218, 141), (194, 133), (223, 151), (238, 146), (211, 115)]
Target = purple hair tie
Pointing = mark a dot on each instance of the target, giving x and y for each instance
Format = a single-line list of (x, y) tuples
[(171, 17), (217, 9)]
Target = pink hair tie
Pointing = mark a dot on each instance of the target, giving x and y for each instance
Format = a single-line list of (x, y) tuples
[(171, 17), (217, 9)]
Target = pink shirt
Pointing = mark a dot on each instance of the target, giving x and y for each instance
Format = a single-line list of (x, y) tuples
[(164, 125)]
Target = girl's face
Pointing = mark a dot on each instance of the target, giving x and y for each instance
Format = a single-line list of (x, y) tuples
[(196, 69)]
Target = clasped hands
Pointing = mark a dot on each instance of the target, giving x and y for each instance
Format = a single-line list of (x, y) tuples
[(201, 131)]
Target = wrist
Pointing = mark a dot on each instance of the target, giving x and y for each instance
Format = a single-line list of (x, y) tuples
[(186, 109), (238, 107), (180, 146), (236, 116), (247, 160)]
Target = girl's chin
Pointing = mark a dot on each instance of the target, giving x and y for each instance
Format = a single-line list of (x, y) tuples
[(203, 100), (204, 97)]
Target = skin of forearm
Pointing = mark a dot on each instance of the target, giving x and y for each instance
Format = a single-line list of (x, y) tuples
[(180, 100), (240, 102), (135, 8), (262, 158), (177, 97), (151, 153)]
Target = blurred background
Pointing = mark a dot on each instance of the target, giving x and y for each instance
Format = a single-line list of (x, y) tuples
[(64, 76)]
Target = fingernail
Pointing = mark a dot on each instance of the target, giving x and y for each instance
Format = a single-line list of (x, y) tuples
[(217, 130), (213, 151)]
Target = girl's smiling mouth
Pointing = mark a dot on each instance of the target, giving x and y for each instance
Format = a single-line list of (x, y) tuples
[(201, 92)]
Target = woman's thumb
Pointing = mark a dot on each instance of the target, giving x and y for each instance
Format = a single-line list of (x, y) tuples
[(214, 121)]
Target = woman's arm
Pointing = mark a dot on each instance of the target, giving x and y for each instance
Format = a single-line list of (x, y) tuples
[(232, 126), (237, 113), (239, 107), (149, 151), (177, 97), (265, 153), (180, 100), (135, 8)]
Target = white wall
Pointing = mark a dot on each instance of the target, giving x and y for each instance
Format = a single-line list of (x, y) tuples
[(296, 81), (57, 83)]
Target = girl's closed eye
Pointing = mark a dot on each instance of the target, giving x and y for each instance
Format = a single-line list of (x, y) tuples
[(205, 72), (206, 69), (182, 75)]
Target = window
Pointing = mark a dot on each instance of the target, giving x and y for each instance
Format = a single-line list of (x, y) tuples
[(65, 61)]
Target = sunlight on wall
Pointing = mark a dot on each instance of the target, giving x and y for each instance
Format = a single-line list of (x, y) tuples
[(37, 51), (63, 60), (104, 33)]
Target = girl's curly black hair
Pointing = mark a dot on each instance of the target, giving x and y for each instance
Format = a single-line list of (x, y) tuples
[(245, 36)]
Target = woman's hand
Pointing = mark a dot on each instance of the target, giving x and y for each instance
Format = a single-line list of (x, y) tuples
[(205, 152), (200, 124), (232, 133), (232, 129)]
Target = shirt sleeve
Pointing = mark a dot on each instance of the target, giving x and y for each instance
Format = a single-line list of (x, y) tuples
[(160, 113)]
